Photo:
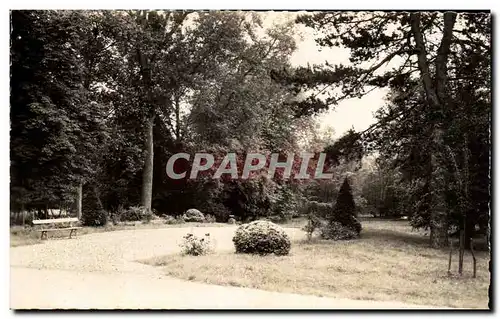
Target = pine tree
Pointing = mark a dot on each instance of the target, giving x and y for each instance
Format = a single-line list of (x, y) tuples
[(344, 210)]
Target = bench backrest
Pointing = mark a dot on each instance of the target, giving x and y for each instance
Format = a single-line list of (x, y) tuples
[(54, 221)]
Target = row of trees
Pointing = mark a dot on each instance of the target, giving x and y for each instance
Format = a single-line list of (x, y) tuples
[(101, 99)]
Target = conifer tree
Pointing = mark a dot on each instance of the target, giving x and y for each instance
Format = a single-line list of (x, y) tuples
[(344, 210)]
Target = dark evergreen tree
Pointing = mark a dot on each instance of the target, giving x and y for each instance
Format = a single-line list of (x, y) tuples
[(344, 210)]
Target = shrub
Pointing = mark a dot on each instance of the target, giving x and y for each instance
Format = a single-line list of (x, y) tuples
[(169, 219), (231, 221), (194, 215), (318, 209), (114, 218), (196, 246), (133, 213), (261, 237), (250, 199), (147, 217), (210, 218), (277, 219), (337, 231), (94, 217), (314, 223), (217, 209), (334, 222), (179, 219), (284, 204)]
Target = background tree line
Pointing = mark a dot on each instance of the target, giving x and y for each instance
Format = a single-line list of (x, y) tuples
[(100, 100)]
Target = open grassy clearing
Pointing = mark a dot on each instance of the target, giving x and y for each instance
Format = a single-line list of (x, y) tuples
[(20, 236), (389, 263)]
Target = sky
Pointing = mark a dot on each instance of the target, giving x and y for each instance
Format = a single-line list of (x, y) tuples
[(357, 113)]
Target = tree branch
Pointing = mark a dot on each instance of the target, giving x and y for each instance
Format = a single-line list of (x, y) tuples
[(442, 55), (422, 59)]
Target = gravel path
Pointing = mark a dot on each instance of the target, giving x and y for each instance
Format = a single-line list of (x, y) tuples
[(117, 250), (100, 271)]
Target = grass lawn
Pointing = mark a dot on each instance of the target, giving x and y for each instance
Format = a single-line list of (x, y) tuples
[(388, 263), (20, 236)]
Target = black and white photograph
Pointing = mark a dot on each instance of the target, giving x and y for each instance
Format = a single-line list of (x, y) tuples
[(169, 159)]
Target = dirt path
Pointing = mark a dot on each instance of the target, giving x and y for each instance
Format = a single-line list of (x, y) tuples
[(100, 271)]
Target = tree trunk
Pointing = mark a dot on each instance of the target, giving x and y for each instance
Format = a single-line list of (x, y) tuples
[(461, 253), (468, 214), (147, 176), (469, 227), (449, 259), (439, 209), (79, 200), (474, 263), (436, 97), (177, 118)]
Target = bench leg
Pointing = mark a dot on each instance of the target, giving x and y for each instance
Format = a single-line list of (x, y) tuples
[(72, 232)]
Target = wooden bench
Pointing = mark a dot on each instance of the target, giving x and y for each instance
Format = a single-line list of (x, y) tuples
[(56, 221)]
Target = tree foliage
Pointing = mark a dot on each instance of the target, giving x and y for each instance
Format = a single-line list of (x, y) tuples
[(56, 120), (103, 98), (426, 60)]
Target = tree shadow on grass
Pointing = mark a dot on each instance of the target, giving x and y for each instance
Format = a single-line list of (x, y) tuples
[(415, 239), (395, 237), (382, 237)]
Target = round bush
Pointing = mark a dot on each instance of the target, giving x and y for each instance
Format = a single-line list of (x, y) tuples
[(261, 237), (194, 215)]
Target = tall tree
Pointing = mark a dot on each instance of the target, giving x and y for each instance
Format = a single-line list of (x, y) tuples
[(387, 49), (239, 104), (166, 57), (467, 114), (236, 107), (55, 125)]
